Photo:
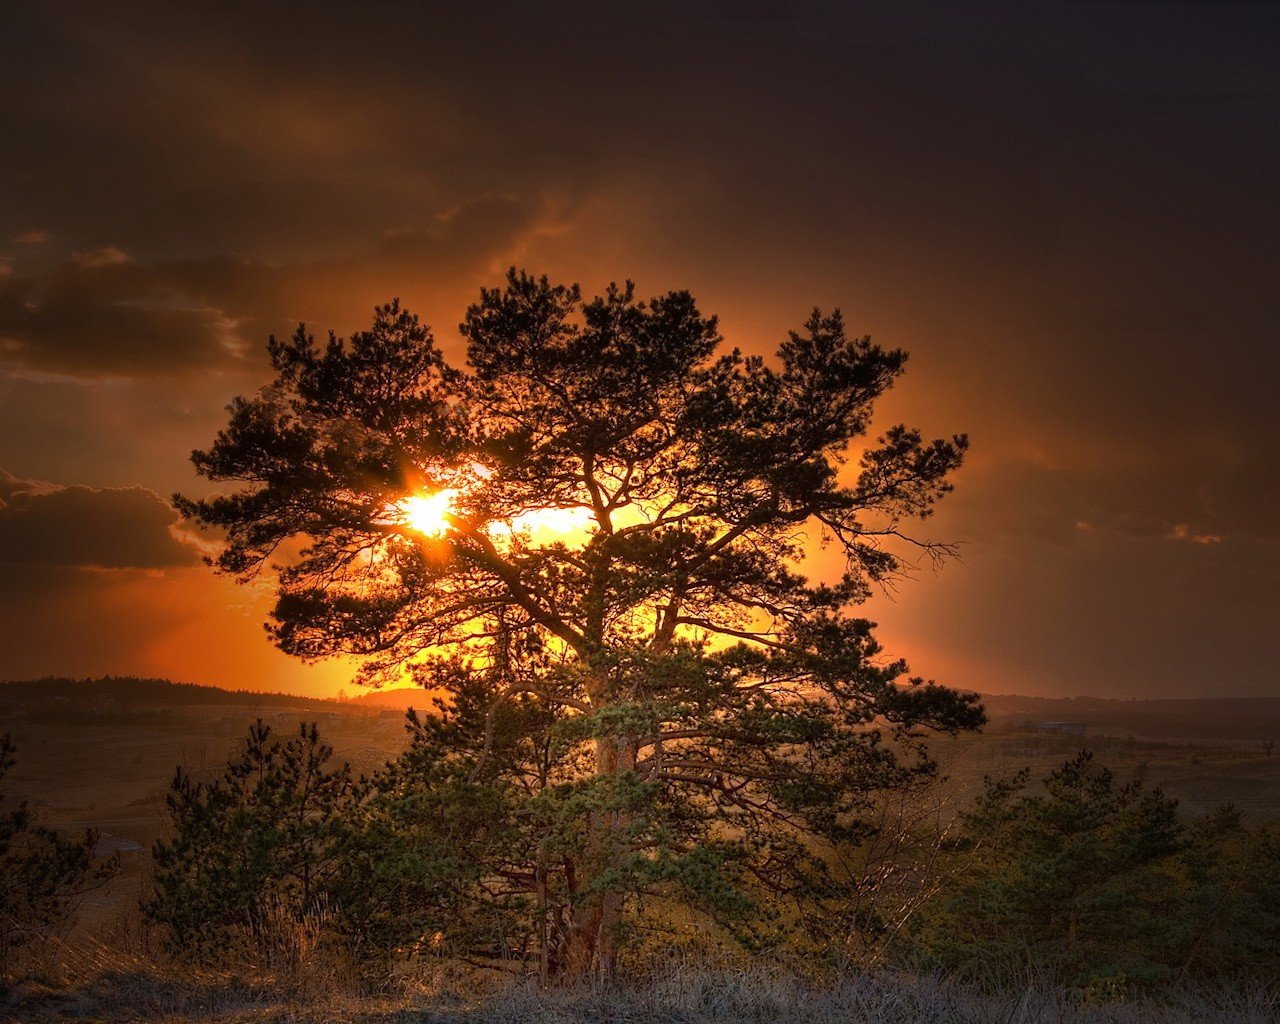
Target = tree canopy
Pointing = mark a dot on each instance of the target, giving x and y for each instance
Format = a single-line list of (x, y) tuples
[(615, 601)]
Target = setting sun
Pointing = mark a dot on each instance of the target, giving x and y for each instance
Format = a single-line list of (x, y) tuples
[(428, 514)]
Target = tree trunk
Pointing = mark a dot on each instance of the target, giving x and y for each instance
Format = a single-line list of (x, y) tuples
[(592, 945)]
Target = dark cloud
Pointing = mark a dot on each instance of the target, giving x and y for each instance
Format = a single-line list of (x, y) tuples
[(1110, 614), (97, 581), (43, 525), (69, 335), (103, 314), (1177, 494)]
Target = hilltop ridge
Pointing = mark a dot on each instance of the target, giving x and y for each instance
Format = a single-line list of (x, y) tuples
[(1210, 718)]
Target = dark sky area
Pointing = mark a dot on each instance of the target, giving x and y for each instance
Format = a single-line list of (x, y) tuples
[(1068, 213)]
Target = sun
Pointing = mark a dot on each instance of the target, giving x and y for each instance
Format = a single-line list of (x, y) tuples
[(431, 514), (428, 514)]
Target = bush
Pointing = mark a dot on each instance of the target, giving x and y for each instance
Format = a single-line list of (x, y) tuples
[(287, 860), (1102, 887), (42, 873), (258, 844)]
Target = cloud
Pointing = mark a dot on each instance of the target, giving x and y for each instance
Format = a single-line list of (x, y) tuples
[(1011, 206), (1110, 615), (1173, 492), (101, 581), (1183, 532), (98, 314), (102, 314), (43, 525)]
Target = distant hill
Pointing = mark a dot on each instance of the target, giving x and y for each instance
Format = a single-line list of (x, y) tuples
[(131, 690), (156, 692), (398, 697), (1215, 718), (1201, 718)]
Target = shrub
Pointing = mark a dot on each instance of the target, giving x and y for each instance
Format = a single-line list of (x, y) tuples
[(1102, 887), (259, 842), (42, 873)]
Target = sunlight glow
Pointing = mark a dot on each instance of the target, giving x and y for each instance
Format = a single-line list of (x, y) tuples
[(542, 522), (428, 514)]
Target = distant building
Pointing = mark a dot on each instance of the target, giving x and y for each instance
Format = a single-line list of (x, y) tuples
[(126, 849), (1074, 728)]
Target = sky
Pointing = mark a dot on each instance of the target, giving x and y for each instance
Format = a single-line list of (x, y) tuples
[(1067, 213)]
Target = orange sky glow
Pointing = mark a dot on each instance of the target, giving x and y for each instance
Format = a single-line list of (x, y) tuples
[(1067, 225)]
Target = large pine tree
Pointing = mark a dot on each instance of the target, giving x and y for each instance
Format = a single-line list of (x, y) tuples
[(604, 518)]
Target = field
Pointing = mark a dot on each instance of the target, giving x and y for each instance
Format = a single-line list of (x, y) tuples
[(1202, 775), (101, 755)]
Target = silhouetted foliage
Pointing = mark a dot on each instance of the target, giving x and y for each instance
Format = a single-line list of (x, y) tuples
[(1230, 919), (689, 716), (420, 855), (42, 873)]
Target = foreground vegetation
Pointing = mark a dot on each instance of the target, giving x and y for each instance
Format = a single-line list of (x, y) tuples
[(676, 994), (1081, 880), (286, 886)]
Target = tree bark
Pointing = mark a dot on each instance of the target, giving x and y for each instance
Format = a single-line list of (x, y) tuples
[(591, 954)]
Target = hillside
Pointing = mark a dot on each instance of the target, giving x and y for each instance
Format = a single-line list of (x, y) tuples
[(1211, 719), (155, 692), (1216, 719), (398, 697)]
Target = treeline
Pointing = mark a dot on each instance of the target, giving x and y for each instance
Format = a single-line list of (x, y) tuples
[(149, 691)]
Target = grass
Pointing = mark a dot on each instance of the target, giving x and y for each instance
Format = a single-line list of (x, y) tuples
[(679, 994)]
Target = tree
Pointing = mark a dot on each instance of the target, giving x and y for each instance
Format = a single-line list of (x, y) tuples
[(42, 873), (1230, 915), (261, 840), (1081, 880), (1102, 885), (718, 715), (422, 852)]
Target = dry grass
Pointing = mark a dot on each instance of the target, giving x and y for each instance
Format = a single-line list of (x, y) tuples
[(678, 995), (693, 996)]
